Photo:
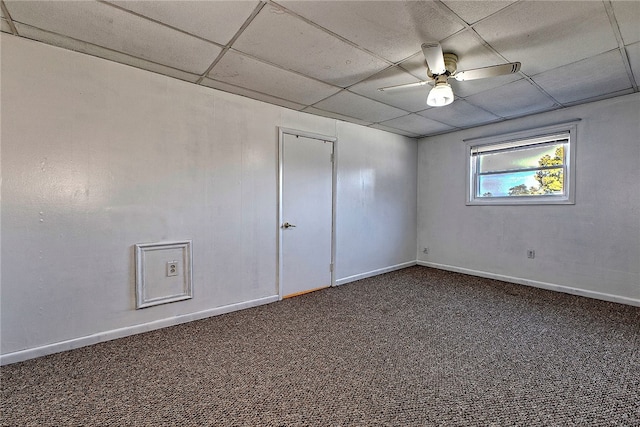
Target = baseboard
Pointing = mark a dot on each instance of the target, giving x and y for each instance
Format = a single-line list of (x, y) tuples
[(374, 273), (32, 353), (535, 284), (71, 344)]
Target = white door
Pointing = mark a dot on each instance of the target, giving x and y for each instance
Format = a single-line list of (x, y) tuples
[(306, 214)]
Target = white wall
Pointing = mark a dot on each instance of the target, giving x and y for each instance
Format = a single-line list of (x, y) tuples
[(98, 156), (376, 188), (590, 248)]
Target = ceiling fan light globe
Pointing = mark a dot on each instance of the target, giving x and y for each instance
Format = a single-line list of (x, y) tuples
[(440, 95)]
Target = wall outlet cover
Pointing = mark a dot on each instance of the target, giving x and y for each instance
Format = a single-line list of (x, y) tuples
[(172, 268)]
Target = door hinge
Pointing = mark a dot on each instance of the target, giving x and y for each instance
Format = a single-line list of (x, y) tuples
[(331, 267), (332, 157)]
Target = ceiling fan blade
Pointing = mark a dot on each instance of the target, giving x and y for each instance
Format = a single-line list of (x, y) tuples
[(403, 86), (435, 59), (493, 71)]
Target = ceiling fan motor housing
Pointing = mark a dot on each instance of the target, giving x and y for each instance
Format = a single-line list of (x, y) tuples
[(451, 62)]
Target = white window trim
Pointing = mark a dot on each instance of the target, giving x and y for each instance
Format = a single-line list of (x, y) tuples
[(569, 180)]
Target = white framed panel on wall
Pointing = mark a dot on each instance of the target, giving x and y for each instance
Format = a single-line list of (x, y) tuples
[(163, 273)]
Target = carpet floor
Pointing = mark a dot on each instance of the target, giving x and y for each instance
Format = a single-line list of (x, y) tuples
[(415, 347)]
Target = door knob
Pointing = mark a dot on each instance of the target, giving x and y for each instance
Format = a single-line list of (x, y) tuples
[(287, 225)]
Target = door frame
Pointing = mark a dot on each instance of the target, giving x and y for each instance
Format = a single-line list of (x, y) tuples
[(282, 131)]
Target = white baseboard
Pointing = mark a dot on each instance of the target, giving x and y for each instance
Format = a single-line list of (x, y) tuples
[(71, 344), (374, 273), (31, 353), (535, 284)]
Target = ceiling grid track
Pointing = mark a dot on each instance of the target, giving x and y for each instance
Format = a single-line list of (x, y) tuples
[(7, 17), (155, 21), (232, 41), (270, 64), (116, 52), (623, 52), (339, 37), (331, 33), (260, 93), (478, 37), (522, 73)]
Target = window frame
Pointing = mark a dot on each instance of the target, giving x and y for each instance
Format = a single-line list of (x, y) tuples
[(524, 137)]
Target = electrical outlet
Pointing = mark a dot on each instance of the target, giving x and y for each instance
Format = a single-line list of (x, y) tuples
[(172, 268), (531, 254), (425, 251)]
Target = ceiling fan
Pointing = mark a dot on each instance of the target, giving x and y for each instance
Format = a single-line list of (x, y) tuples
[(442, 66)]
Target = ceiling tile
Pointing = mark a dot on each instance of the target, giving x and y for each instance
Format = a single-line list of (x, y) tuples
[(217, 21), (460, 114), (628, 16), (409, 99), (280, 38), (633, 53), (416, 65), (418, 125), (112, 28), (251, 94), (585, 79), (90, 49), (240, 70), (352, 105), (473, 11), (512, 100), (393, 30), (544, 35), (472, 87), (471, 51), (319, 112)]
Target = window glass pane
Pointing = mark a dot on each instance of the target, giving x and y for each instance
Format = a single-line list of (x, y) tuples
[(531, 183), (551, 181), (517, 159), (501, 184)]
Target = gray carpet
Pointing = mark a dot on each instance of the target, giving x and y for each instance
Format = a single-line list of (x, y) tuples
[(416, 347)]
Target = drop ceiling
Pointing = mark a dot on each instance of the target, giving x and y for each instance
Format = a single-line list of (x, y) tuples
[(330, 57)]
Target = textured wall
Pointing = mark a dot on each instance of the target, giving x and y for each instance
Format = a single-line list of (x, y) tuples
[(98, 156), (592, 246)]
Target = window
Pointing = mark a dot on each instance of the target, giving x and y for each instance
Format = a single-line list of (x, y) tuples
[(529, 167)]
